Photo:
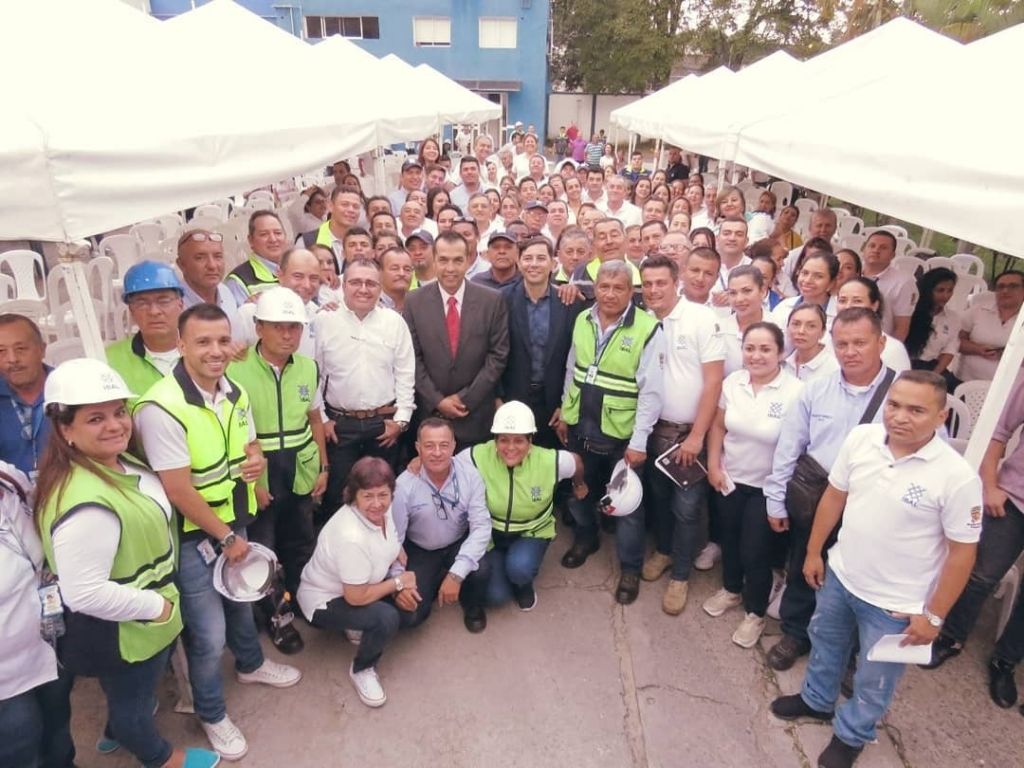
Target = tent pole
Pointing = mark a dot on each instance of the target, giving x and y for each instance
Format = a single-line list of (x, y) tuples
[(998, 391), (380, 182), (926, 238), (72, 263)]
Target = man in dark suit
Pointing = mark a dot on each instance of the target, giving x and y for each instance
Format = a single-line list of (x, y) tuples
[(540, 334), (460, 335)]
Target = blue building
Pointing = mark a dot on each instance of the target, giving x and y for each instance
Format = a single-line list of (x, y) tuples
[(497, 48)]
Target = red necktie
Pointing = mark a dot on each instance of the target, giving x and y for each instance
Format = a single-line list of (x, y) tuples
[(452, 321)]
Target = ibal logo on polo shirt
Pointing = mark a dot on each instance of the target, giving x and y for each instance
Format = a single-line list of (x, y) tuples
[(913, 495), (626, 345), (535, 493), (975, 518), (681, 342), (304, 395), (775, 410)]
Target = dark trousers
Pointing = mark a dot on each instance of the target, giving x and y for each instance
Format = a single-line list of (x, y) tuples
[(35, 726), (431, 566), (545, 437), (131, 699), (798, 600), (1002, 540), (286, 527), (748, 546), (379, 622), (356, 438)]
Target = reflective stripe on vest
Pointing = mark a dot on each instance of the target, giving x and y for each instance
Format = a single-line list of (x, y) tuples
[(520, 499), (280, 410), (608, 375), (253, 276), (216, 442), (145, 557)]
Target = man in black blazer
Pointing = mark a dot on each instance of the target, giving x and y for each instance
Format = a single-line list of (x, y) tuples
[(460, 336), (540, 335)]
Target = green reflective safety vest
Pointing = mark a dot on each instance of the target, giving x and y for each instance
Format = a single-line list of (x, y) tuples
[(128, 358), (595, 264), (604, 387), (520, 499), (324, 236), (145, 557), (216, 443), (280, 409), (253, 276)]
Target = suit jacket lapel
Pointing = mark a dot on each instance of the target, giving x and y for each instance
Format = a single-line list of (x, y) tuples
[(467, 316)]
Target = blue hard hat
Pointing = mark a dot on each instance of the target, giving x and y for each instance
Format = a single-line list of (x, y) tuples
[(150, 276)]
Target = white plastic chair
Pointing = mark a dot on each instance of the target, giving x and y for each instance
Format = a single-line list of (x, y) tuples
[(893, 229), (169, 223), (99, 274), (783, 193), (806, 205), (938, 261), (208, 211), (8, 288), (60, 351), (921, 253), (960, 422), (35, 310), (260, 199), (904, 245), (908, 265), (968, 264), (149, 234), (840, 212), (125, 251), (973, 394), (24, 266), (848, 225), (966, 287), (853, 242)]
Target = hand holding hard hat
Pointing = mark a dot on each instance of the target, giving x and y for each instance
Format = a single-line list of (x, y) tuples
[(624, 492)]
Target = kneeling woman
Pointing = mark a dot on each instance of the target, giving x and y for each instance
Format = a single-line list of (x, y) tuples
[(348, 584), (520, 479), (105, 524)]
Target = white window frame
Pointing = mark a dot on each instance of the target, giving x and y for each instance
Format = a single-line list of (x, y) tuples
[(323, 26), (499, 31), (436, 41)]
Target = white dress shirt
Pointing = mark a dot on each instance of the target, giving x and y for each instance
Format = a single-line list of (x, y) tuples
[(366, 363)]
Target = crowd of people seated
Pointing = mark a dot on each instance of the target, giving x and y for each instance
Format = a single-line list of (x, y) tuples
[(411, 400)]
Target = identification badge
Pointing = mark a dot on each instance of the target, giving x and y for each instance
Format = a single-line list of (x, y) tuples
[(591, 374), (206, 551), (50, 601)]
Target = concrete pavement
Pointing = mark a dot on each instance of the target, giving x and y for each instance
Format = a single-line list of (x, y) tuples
[(579, 682)]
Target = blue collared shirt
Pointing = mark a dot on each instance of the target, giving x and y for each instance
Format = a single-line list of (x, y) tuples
[(817, 424), (434, 518), (18, 421), (538, 319)]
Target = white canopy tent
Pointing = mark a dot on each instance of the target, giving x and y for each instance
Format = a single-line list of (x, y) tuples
[(451, 102), (646, 116)]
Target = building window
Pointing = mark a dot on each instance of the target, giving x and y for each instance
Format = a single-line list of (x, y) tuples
[(432, 31), (498, 32), (358, 27)]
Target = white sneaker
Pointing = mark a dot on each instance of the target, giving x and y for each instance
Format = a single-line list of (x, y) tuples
[(226, 739), (720, 602), (749, 631), (708, 556), (775, 601), (272, 674), (354, 636), (368, 686)]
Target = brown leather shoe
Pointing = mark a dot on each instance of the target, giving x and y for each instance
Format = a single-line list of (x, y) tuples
[(655, 565), (628, 589), (674, 600), (579, 552), (784, 653)]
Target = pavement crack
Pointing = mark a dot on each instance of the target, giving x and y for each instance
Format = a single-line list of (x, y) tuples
[(689, 694), (632, 721), (896, 737), (771, 687)]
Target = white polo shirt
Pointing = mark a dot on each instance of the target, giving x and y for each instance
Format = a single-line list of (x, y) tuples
[(692, 338), (821, 365), (982, 324), (753, 422), (627, 213), (899, 513), (350, 550), (899, 295), (944, 338)]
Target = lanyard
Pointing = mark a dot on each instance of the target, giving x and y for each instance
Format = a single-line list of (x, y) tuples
[(31, 419)]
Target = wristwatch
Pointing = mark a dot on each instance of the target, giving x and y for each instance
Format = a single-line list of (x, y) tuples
[(402, 425), (399, 586), (228, 541), (935, 621)]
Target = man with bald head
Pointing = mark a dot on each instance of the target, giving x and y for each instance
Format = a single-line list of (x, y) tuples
[(300, 271)]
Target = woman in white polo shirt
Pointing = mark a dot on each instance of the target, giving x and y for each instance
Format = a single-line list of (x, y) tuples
[(805, 333), (741, 443), (347, 586), (747, 292)]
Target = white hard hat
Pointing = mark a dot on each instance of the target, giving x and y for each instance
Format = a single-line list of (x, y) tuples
[(249, 579), (514, 418), (280, 305), (624, 492), (84, 381)]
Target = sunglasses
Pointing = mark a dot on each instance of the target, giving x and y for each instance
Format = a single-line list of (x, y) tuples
[(201, 237)]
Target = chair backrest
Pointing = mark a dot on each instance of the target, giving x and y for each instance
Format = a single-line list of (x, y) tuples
[(853, 242), (8, 288), (148, 233), (908, 265), (207, 211), (968, 264), (806, 205), (62, 350), (966, 287), (972, 394), (25, 267), (261, 198), (938, 261), (35, 310), (921, 253), (840, 212), (169, 223), (904, 245), (125, 250), (960, 421), (848, 225), (894, 229)]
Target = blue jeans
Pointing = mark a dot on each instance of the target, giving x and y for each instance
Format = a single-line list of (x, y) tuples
[(629, 529), (131, 699), (840, 618), (35, 726), (379, 622), (513, 563), (677, 520), (212, 621)]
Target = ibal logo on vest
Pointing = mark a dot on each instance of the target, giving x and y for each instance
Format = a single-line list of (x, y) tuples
[(304, 395)]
